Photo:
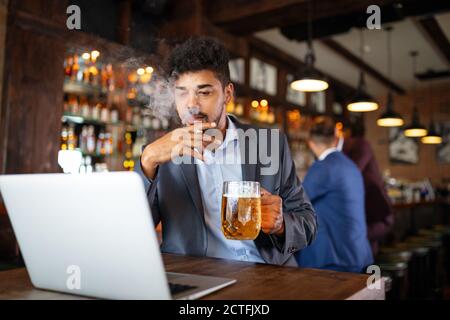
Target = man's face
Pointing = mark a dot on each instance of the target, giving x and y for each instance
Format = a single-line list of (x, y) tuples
[(200, 96)]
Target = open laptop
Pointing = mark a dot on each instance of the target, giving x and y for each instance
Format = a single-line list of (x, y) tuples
[(93, 235)]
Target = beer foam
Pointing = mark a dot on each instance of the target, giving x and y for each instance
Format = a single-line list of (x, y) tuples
[(241, 189), (241, 195)]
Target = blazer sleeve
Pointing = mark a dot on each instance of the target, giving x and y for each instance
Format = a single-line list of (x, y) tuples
[(151, 191), (299, 216)]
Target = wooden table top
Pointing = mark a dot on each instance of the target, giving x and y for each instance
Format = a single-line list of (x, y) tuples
[(254, 281)]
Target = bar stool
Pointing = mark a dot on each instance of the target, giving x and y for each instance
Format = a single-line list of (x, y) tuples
[(398, 273), (433, 274), (445, 232), (440, 257), (419, 270), (395, 263)]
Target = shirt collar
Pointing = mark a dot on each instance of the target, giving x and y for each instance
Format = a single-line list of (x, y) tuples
[(230, 134), (340, 144), (324, 154)]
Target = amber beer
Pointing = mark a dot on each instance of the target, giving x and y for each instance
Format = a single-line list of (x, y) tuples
[(241, 210)]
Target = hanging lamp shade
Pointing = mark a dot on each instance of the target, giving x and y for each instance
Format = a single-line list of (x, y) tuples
[(390, 118), (432, 137), (311, 81), (415, 129), (361, 102)]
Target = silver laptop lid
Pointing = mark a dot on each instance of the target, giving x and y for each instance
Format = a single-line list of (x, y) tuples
[(86, 234)]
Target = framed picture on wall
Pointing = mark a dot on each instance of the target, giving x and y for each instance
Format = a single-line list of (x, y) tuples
[(263, 76), (443, 149), (237, 70), (318, 101), (294, 96), (402, 150)]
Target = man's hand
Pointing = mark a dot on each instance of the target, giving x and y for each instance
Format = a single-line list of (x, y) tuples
[(181, 141), (272, 221)]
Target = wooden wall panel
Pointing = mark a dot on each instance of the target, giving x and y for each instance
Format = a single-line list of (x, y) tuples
[(31, 101), (35, 95), (3, 24)]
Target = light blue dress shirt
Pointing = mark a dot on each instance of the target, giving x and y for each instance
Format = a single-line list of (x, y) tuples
[(222, 165)]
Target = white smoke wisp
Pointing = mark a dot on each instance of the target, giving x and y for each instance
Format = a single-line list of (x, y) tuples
[(161, 99)]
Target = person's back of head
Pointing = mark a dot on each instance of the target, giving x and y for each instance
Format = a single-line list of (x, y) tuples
[(322, 134)]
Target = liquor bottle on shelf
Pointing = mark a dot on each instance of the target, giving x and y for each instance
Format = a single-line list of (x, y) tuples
[(82, 169), (136, 120), (128, 163), (108, 144), (73, 105), (138, 144), (90, 140), (93, 75), (75, 74), (88, 164), (64, 137), (85, 109), (165, 123), (129, 115), (95, 113), (83, 139), (100, 149), (71, 138), (147, 122), (85, 71), (110, 77), (156, 123), (68, 64), (114, 114), (104, 113)]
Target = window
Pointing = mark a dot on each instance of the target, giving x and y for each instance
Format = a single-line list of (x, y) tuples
[(263, 76), (318, 101), (294, 96), (237, 70)]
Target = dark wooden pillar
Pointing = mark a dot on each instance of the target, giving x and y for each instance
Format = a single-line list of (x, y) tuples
[(33, 86), (123, 31), (32, 96)]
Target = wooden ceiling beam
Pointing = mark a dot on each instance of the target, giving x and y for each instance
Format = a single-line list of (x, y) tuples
[(436, 36), (248, 16), (294, 64), (228, 11), (353, 59)]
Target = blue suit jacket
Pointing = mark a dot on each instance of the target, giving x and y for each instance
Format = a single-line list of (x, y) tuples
[(336, 190)]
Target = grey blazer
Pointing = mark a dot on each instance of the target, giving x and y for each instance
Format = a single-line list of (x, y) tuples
[(175, 200)]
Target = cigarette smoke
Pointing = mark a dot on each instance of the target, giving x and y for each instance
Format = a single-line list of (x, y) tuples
[(157, 95)]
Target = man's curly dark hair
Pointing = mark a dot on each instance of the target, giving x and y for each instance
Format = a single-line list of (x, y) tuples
[(200, 53)]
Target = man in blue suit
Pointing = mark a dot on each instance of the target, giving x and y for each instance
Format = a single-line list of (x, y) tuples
[(335, 187)]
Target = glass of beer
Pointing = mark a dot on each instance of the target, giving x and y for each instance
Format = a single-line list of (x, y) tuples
[(241, 210)]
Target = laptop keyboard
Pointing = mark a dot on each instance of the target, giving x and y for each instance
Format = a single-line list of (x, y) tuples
[(178, 288)]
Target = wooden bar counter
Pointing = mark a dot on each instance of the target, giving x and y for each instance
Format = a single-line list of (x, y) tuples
[(254, 281)]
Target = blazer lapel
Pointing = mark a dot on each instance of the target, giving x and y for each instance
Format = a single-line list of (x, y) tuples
[(249, 170), (189, 172)]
